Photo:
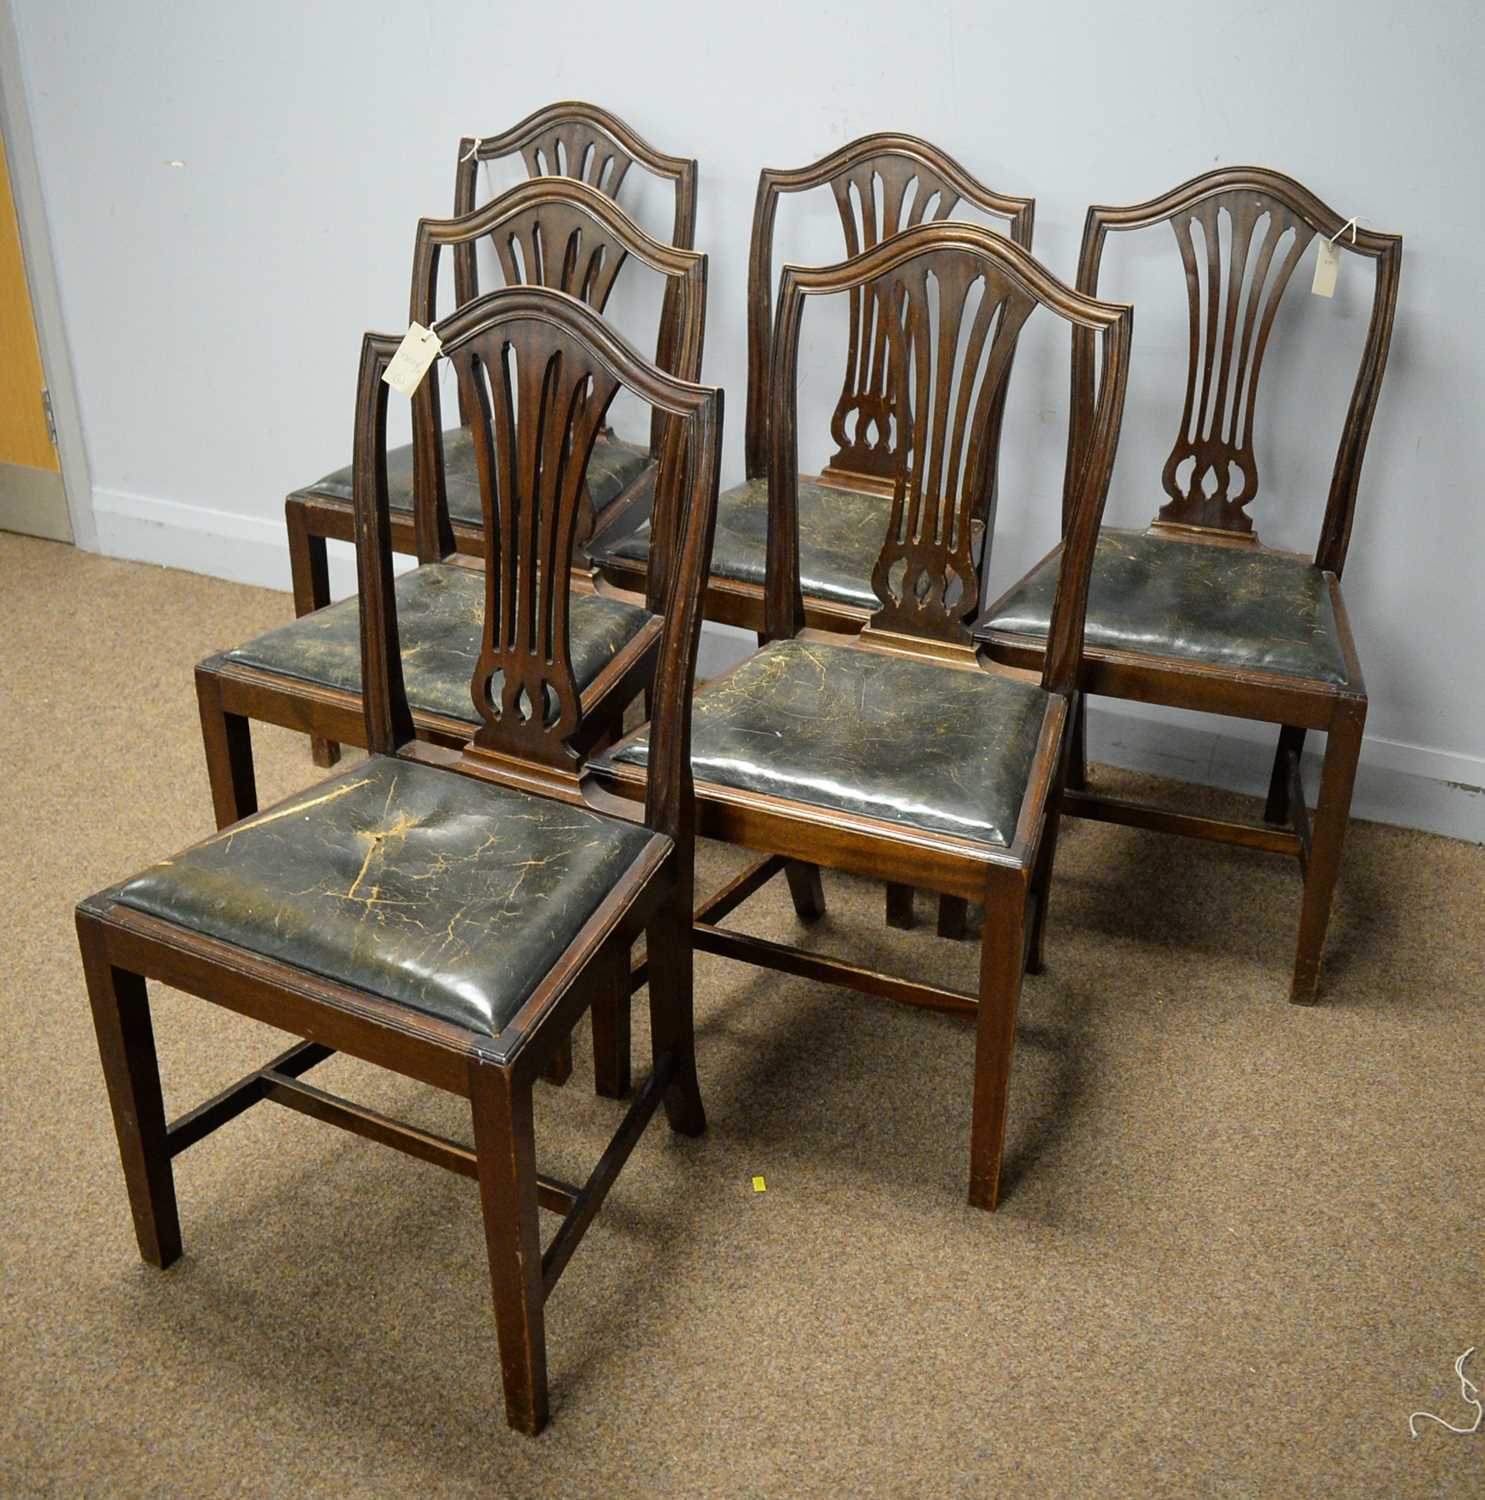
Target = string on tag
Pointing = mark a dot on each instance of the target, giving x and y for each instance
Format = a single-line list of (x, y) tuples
[(1349, 224), (1469, 1393), (479, 141)]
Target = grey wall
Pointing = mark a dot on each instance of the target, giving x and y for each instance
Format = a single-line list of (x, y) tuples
[(214, 309)]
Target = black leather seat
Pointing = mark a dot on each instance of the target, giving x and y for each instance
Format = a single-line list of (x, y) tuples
[(1222, 606), (449, 895), (440, 615), (840, 537), (931, 748), (615, 465)]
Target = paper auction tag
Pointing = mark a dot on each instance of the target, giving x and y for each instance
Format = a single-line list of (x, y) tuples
[(759, 1186), (418, 349), (1327, 268)]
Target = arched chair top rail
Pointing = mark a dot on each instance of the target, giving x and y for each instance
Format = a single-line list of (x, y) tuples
[(606, 345), (1215, 441), (599, 208), (903, 162), (1318, 215), (892, 144), (1018, 265), (953, 352), (544, 128)]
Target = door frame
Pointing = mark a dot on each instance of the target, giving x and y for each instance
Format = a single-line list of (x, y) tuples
[(46, 301)]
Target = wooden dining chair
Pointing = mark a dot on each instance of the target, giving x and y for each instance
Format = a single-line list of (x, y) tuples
[(894, 753), (306, 675), (450, 914), (1194, 613), (881, 184), (572, 140)]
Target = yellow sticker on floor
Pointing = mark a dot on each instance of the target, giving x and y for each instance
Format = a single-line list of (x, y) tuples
[(759, 1186)]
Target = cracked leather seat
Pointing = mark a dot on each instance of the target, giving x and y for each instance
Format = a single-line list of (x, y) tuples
[(928, 747), (1222, 606), (446, 894), (440, 615), (840, 537), (615, 465)]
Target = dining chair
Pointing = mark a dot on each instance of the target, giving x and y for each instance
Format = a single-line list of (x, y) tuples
[(306, 675), (569, 139), (894, 753), (1194, 613), (449, 914)]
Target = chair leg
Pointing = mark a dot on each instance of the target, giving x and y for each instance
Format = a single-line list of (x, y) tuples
[(227, 739), (505, 1146), (1329, 821), (1041, 883), (953, 917), (1277, 808), (900, 912), (309, 571), (1077, 756), (806, 889), (995, 1037), (672, 1020), (559, 1065), (611, 1040), (126, 1045)]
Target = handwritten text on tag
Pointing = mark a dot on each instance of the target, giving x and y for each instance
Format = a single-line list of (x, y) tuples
[(418, 349)]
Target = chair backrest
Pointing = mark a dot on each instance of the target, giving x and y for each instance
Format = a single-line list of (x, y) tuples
[(882, 184), (952, 299), (562, 234), (573, 139), (538, 370), (1241, 232), (583, 141)]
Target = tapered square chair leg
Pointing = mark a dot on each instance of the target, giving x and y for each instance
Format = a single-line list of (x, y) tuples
[(227, 741), (505, 1145), (1331, 817), (1001, 948), (126, 1046), (672, 1024)]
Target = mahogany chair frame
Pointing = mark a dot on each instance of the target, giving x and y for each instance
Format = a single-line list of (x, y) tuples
[(566, 214), (122, 948), (572, 140), (919, 184), (1215, 516), (918, 618)]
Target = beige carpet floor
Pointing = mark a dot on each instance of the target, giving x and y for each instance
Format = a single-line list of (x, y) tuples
[(1242, 1240)]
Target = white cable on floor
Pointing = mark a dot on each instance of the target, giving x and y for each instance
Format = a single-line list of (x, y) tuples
[(1469, 1393)]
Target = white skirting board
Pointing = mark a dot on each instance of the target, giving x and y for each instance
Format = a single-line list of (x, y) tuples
[(1407, 785)]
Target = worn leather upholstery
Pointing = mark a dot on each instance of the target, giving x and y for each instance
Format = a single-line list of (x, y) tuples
[(928, 747), (840, 538), (449, 895), (1222, 606), (440, 618), (614, 466)]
